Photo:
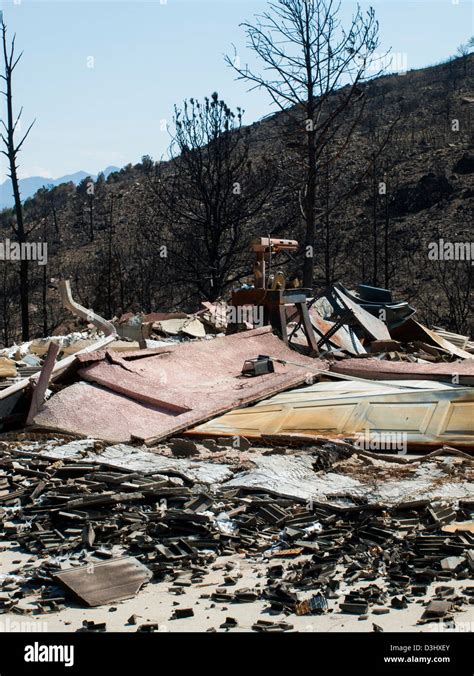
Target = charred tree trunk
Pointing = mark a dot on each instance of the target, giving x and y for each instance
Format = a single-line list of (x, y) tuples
[(11, 152), (305, 55), (375, 237)]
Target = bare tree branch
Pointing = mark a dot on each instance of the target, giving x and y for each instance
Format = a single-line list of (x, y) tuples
[(310, 61)]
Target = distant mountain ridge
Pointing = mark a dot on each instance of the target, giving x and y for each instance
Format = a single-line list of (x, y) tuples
[(30, 186)]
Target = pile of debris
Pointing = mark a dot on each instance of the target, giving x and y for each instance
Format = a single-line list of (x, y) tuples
[(131, 516), (117, 392), (154, 447), (368, 322), (178, 326), (22, 361)]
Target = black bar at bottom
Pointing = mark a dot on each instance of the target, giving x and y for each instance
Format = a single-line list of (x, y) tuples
[(313, 653)]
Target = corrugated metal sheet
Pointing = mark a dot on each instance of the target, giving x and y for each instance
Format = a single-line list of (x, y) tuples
[(100, 583), (426, 413), (454, 338)]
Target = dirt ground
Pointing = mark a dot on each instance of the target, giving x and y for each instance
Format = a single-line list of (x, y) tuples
[(156, 602)]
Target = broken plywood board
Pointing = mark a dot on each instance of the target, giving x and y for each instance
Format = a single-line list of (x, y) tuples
[(91, 411), (417, 413), (374, 327), (457, 373), (411, 330), (98, 584), (39, 392), (344, 338), (204, 377), (454, 338), (7, 368)]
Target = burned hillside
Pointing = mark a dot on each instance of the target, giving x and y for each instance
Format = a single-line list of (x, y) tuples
[(402, 182)]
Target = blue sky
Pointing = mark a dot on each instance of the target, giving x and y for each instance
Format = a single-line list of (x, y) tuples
[(149, 54)]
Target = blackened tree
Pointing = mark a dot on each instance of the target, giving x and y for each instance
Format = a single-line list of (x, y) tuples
[(313, 64), (208, 197), (12, 148)]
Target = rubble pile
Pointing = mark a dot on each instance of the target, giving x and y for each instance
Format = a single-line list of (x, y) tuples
[(156, 448), (72, 507), (174, 326), (367, 323), (22, 361)]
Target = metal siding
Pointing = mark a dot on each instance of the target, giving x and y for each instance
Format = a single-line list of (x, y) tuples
[(427, 415)]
